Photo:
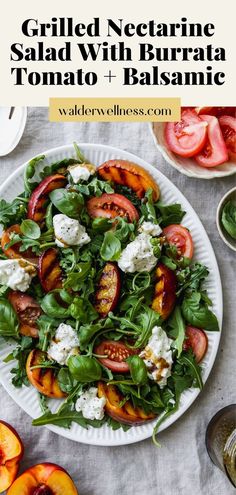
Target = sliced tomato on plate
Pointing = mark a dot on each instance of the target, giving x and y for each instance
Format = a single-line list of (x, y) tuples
[(165, 291), (180, 237), (117, 353), (228, 128), (108, 290), (112, 206), (128, 414), (28, 311), (131, 175), (13, 251), (197, 341), (214, 152), (187, 137)]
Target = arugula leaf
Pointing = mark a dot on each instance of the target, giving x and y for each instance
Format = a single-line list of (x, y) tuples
[(191, 277), (21, 354), (193, 368), (177, 325), (12, 212), (30, 172), (9, 324), (111, 247), (59, 167), (147, 208), (196, 312), (47, 327), (95, 187), (64, 417)]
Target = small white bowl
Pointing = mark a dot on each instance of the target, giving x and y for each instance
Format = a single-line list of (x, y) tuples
[(11, 128), (229, 196), (188, 166)]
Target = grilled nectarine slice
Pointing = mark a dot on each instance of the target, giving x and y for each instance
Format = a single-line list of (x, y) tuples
[(50, 272), (43, 379), (39, 197), (131, 175), (108, 290), (14, 252), (43, 479), (11, 452), (125, 414), (165, 291)]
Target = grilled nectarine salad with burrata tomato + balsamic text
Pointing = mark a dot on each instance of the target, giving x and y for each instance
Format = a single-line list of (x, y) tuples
[(101, 294)]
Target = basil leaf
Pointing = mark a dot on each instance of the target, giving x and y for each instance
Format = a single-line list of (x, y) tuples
[(138, 369), (229, 218), (30, 229), (111, 247), (30, 172), (170, 213), (101, 224), (8, 320), (52, 307), (65, 380), (68, 203), (177, 325), (84, 369), (196, 312)]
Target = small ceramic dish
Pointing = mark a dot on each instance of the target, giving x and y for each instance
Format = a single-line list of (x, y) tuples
[(229, 196), (188, 166), (12, 123)]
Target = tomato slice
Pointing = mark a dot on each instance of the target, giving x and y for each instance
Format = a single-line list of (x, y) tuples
[(197, 341), (28, 311), (14, 252), (228, 128), (187, 137), (128, 414), (108, 290), (180, 237), (131, 175), (112, 206), (214, 152), (117, 353), (216, 111)]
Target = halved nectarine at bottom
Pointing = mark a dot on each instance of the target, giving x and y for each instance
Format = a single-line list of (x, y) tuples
[(43, 479), (11, 451)]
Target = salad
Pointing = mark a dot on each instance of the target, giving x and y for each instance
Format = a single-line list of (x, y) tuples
[(99, 290), (206, 134)]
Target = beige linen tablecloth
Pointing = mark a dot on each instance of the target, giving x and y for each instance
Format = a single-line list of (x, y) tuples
[(181, 466)]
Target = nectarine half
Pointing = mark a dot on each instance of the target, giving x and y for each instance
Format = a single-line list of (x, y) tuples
[(11, 451)]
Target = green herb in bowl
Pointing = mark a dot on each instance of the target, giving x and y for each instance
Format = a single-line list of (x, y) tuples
[(228, 218)]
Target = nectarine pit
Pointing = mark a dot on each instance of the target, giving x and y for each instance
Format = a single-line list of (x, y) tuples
[(42, 490)]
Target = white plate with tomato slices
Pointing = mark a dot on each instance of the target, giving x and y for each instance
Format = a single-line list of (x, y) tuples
[(27, 397), (202, 144)]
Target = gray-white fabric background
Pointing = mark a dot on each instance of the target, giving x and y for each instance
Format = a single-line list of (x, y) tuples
[(181, 466)]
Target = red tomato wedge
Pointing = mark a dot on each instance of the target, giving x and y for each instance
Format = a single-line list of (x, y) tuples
[(112, 206), (197, 341), (228, 128), (180, 237), (216, 111), (28, 311), (117, 353), (214, 152), (187, 137), (107, 290)]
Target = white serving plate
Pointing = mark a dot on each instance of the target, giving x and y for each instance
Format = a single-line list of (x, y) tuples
[(188, 166), (11, 129), (26, 397)]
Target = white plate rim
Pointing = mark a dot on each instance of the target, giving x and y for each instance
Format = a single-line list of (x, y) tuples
[(125, 440)]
